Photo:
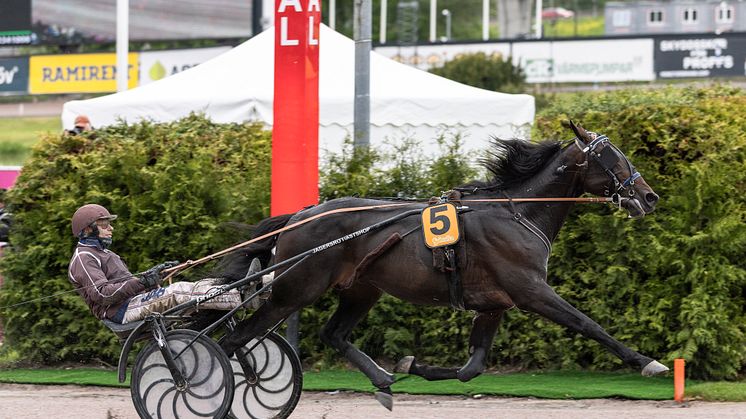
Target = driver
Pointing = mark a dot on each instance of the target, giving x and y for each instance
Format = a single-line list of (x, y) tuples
[(108, 287)]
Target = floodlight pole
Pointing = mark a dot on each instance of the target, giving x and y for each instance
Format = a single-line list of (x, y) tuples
[(363, 33), (333, 14), (485, 20), (539, 27), (433, 20), (384, 11), (122, 44)]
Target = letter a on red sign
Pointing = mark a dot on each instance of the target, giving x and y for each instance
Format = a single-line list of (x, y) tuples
[(295, 129)]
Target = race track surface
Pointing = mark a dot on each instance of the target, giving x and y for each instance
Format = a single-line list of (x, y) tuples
[(21, 401)]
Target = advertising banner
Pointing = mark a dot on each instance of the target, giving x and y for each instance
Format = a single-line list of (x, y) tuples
[(15, 22), (295, 128), (585, 61), (700, 56), (78, 73), (14, 74), (156, 65), (426, 57), (89, 21)]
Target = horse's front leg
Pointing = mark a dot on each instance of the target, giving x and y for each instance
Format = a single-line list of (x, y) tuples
[(482, 333), (354, 304), (544, 301)]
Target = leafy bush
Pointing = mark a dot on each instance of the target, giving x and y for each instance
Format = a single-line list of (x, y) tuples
[(671, 284), (170, 184), (668, 285), (491, 72)]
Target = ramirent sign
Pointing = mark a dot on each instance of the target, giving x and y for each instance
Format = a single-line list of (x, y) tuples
[(295, 130)]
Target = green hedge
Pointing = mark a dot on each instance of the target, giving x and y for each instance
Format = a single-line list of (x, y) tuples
[(673, 283), (170, 184), (669, 285), (491, 72)]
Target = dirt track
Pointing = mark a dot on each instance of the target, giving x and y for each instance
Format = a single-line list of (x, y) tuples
[(19, 401)]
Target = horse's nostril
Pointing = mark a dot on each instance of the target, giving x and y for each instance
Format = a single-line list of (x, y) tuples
[(651, 198)]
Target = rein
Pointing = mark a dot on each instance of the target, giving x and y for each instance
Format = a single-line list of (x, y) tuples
[(190, 263), (586, 199)]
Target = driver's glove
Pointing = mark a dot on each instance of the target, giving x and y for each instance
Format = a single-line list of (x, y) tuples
[(152, 276)]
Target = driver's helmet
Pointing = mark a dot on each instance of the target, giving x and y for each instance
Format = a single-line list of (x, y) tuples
[(87, 215)]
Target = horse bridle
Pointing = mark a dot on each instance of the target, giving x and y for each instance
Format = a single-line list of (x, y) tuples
[(607, 157)]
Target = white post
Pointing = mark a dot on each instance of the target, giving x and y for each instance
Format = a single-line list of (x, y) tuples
[(433, 19), (363, 27), (539, 26), (333, 14), (447, 14), (485, 20), (268, 13), (123, 7), (384, 10)]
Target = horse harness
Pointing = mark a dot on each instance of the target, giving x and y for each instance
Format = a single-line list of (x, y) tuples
[(452, 256), (607, 158), (448, 258)]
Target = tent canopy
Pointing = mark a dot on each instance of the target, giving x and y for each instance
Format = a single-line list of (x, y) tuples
[(238, 86)]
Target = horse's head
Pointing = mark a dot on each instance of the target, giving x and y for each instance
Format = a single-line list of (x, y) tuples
[(610, 173)]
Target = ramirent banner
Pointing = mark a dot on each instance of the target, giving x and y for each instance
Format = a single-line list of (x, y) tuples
[(78, 73), (295, 129)]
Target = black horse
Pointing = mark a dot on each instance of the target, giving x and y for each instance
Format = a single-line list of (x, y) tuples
[(502, 263)]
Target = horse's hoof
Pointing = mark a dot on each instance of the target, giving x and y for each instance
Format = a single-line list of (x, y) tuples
[(654, 368), (404, 365), (385, 398)]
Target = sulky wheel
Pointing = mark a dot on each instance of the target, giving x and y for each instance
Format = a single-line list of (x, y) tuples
[(275, 389), (209, 389)]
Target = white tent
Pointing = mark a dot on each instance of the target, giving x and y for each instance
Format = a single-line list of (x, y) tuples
[(238, 86)]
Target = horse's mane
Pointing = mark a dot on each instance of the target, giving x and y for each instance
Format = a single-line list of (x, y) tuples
[(513, 161)]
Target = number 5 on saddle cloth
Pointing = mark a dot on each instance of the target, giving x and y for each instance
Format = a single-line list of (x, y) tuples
[(441, 231)]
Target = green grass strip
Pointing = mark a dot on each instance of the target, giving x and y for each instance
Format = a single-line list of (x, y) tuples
[(79, 376), (547, 385), (20, 134), (722, 391)]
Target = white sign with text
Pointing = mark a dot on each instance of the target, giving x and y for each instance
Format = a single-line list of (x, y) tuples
[(156, 65), (585, 61)]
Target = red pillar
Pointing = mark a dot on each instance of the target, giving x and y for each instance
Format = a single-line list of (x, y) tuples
[(295, 129)]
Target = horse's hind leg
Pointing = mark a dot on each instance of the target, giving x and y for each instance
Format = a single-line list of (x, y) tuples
[(544, 301), (354, 304), (482, 333)]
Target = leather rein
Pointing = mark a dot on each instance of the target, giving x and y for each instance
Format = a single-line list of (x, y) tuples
[(607, 157), (191, 263)]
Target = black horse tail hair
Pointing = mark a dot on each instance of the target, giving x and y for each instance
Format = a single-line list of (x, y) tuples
[(234, 266)]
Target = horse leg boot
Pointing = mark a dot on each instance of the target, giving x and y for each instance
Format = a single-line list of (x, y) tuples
[(354, 304), (482, 333), (544, 301)]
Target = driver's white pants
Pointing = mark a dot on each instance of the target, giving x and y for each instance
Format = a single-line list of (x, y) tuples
[(161, 299)]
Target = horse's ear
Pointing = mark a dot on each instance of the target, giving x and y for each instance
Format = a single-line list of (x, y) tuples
[(580, 133)]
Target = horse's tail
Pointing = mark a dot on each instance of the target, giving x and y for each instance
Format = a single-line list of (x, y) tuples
[(234, 266)]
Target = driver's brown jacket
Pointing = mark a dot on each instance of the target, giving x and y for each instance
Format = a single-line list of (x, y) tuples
[(102, 279)]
